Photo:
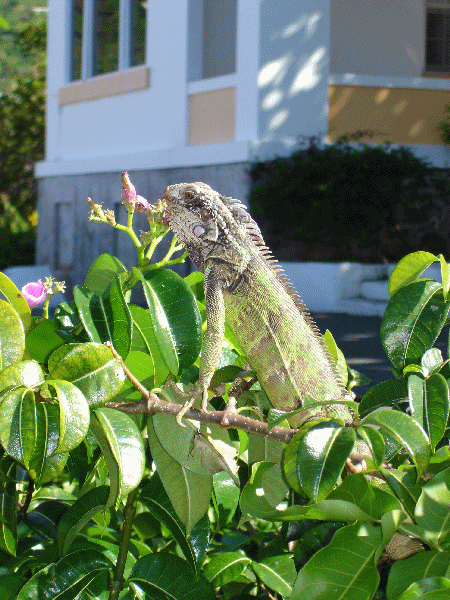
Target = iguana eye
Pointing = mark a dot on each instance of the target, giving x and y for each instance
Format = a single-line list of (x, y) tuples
[(205, 214), (189, 195)]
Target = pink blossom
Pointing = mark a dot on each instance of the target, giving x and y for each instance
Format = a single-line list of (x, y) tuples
[(141, 203), (128, 190), (34, 293)]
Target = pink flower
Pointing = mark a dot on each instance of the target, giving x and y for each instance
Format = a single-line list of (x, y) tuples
[(128, 190), (34, 293), (141, 203)]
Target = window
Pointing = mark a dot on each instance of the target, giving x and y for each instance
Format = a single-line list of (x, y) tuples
[(107, 36), (212, 38), (438, 36)]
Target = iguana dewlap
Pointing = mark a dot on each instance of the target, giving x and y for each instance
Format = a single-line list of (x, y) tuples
[(245, 286)]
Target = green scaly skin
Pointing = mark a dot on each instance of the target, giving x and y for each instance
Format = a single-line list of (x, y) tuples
[(245, 286)]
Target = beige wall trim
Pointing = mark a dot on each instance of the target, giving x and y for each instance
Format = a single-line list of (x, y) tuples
[(397, 115), (212, 116), (103, 86)]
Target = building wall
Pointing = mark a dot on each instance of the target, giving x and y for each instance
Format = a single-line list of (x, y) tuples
[(381, 37)]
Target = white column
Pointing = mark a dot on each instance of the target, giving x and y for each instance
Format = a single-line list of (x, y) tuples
[(293, 73)]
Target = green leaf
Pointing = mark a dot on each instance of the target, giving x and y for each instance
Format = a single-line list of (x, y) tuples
[(226, 567), (429, 588), (408, 269), (375, 441), (413, 320), (141, 366), (404, 489), (74, 414), (102, 272), (405, 572), (44, 518), (175, 317), (42, 340), (163, 576), (445, 273), (432, 512), (79, 514), (106, 317), (226, 496), (431, 361), (344, 569), (336, 355), (429, 403), (26, 373), (385, 393), (12, 335), (406, 431), (18, 428), (93, 369), (155, 498), (277, 572), (318, 457), (144, 340), (189, 492), (15, 298), (121, 443), (8, 506), (66, 578)]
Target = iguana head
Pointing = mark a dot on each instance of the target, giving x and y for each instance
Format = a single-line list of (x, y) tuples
[(201, 218)]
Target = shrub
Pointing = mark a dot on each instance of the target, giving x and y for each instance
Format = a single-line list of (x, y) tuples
[(345, 201)]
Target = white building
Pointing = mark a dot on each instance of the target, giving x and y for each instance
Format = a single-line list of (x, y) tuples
[(189, 90)]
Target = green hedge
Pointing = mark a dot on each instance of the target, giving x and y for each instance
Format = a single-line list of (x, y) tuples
[(350, 201)]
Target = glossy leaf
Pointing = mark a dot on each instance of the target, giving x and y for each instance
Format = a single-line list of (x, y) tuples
[(18, 426), (226, 496), (375, 441), (68, 576), (42, 340), (412, 322), (44, 518), (429, 588), (164, 576), (12, 335), (277, 572), (26, 373), (408, 269), (345, 568), (102, 272), (122, 445), (405, 572), (8, 506), (15, 298), (144, 340), (106, 317), (431, 361), (406, 431), (175, 316), (93, 369), (226, 567), (445, 274), (200, 537), (74, 414), (429, 403), (320, 455), (189, 492), (79, 514), (432, 512), (385, 393), (155, 498), (404, 489)]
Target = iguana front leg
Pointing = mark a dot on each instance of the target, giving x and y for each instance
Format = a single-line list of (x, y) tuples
[(212, 341)]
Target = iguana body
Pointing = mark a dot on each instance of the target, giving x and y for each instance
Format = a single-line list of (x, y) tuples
[(245, 286)]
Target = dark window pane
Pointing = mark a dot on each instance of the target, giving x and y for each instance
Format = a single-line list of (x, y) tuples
[(435, 54), (77, 29), (138, 32), (106, 36), (219, 38), (435, 24)]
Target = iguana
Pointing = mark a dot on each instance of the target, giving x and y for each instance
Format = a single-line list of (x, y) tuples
[(245, 286)]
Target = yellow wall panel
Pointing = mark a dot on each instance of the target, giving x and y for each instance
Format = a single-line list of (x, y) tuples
[(212, 116), (397, 115)]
